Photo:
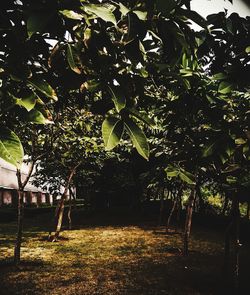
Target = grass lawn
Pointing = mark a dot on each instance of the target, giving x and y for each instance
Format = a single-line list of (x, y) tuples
[(112, 259)]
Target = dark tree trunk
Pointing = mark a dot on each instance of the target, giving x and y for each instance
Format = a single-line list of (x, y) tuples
[(225, 206), (60, 207), (232, 232), (178, 211), (201, 203), (176, 197), (70, 209), (20, 194), (227, 248), (59, 217), (18, 243), (161, 213), (237, 246), (188, 222)]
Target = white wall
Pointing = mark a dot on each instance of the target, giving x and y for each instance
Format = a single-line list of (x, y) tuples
[(8, 177)]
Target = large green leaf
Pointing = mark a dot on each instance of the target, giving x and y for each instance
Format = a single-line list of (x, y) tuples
[(142, 15), (123, 9), (101, 11), (36, 117), (72, 58), (112, 130), (219, 76), (27, 102), (225, 87), (138, 138), (71, 14), (43, 86), (11, 149), (118, 97), (187, 177)]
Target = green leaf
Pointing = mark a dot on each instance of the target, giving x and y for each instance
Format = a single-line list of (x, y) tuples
[(28, 102), (36, 117), (101, 11), (225, 87), (172, 171), (220, 76), (72, 58), (142, 15), (208, 150), (44, 87), (247, 49), (71, 14), (187, 177), (138, 138), (240, 141), (37, 22), (112, 130), (118, 97), (194, 16), (90, 85), (11, 149), (123, 9), (143, 117), (231, 168)]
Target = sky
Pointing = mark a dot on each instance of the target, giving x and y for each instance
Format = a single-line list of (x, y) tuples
[(206, 7)]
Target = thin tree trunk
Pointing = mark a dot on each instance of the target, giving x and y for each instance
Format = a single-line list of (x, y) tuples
[(161, 208), (18, 243), (171, 212), (188, 222), (227, 248), (60, 207), (225, 206), (201, 203), (237, 246), (20, 192), (178, 211), (233, 229), (70, 209)]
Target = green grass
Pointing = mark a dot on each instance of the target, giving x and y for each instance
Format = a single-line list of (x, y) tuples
[(135, 259)]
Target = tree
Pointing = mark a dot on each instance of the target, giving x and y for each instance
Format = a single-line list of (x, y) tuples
[(73, 142)]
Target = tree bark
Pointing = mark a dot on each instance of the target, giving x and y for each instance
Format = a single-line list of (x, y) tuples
[(21, 186), (60, 207), (188, 222), (201, 203), (237, 246), (172, 211), (18, 243), (161, 207), (232, 232), (225, 206), (70, 209), (178, 211)]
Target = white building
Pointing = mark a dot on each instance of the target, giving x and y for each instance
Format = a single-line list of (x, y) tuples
[(8, 187)]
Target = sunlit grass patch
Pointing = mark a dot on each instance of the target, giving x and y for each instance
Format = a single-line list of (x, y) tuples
[(110, 260)]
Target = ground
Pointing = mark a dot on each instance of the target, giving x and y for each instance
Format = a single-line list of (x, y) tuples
[(112, 259)]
